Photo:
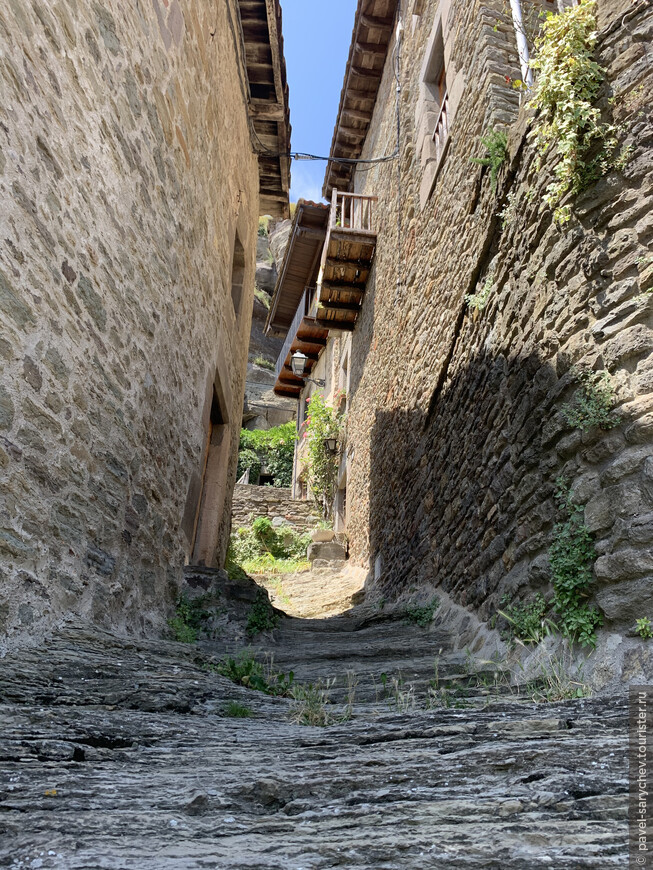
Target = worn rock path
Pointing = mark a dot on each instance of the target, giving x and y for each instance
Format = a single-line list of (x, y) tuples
[(119, 754)]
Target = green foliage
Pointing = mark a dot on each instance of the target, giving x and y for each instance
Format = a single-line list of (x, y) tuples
[(566, 90), (527, 621), (478, 301), (273, 448), (593, 404), (644, 628), (495, 143), (310, 705), (247, 671), (264, 363), (190, 615), (322, 422), (423, 615), (262, 549), (237, 711), (571, 557), (249, 459), (264, 225), (261, 616), (263, 298)]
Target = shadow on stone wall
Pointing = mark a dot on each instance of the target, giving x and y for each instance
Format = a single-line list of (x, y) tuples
[(468, 503)]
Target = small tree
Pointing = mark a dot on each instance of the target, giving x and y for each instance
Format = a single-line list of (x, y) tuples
[(322, 422)]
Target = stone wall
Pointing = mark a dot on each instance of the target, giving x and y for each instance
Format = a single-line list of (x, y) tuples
[(455, 422), (251, 502), (126, 169)]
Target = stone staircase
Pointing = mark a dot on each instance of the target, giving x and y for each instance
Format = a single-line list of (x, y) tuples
[(120, 753)]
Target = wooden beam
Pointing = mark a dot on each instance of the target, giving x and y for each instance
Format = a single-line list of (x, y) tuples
[(357, 115), (345, 325), (311, 232), (372, 22), (354, 132), (339, 306), (370, 47), (366, 73), (267, 111)]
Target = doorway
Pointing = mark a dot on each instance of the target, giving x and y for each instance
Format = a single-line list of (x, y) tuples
[(213, 488)]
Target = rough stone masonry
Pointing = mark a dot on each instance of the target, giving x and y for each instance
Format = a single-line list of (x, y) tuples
[(475, 397), (126, 171)]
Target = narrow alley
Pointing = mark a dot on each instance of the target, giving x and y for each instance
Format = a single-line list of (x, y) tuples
[(131, 754)]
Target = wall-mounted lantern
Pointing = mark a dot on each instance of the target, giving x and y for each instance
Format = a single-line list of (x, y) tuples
[(331, 446), (298, 365)]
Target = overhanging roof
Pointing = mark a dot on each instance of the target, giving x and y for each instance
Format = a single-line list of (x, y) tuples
[(268, 101), (301, 263), (373, 29)]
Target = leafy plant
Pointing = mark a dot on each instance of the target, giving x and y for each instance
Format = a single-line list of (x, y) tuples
[(246, 670), (322, 422), (495, 143), (644, 628), (527, 621), (262, 616), (571, 556), (237, 711), (249, 459), (478, 301), (273, 448), (422, 615), (190, 614), (264, 225), (566, 90), (263, 549), (593, 404)]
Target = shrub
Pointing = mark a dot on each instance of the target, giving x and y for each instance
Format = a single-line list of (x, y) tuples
[(262, 549), (273, 448)]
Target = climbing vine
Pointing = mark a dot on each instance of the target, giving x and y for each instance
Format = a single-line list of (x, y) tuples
[(322, 422), (567, 88)]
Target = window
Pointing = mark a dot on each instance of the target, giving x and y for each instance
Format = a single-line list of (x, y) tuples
[(433, 118), (237, 275)]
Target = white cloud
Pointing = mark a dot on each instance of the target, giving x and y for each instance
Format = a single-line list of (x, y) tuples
[(306, 180)]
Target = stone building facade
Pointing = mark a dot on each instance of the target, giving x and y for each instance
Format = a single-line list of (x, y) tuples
[(456, 431), (475, 397), (131, 188)]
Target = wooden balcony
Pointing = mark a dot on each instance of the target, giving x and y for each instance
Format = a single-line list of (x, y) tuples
[(346, 260), (306, 336)]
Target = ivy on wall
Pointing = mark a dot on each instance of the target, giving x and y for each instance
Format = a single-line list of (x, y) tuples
[(568, 85), (322, 422)]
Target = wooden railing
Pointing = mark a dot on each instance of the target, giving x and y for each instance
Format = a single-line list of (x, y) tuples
[(307, 308), (441, 132), (351, 212)]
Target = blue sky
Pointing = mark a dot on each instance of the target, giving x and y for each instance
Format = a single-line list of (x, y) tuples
[(316, 37)]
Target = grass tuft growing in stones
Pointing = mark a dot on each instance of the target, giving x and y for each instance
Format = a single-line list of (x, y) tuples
[(234, 710), (495, 143)]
